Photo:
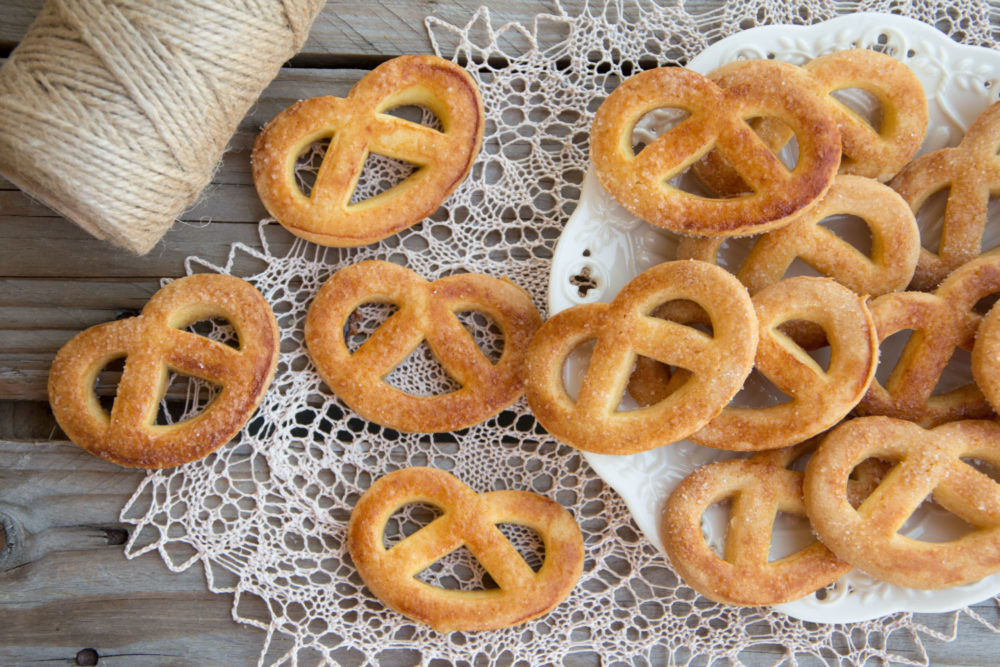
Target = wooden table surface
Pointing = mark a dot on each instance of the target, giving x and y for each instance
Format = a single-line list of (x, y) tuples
[(67, 593)]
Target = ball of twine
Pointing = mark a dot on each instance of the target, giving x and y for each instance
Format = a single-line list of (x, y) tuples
[(116, 112)]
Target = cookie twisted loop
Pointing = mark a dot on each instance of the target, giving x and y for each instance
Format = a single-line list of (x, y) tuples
[(819, 398), (877, 154), (759, 488), (153, 344), (427, 311), (717, 363), (972, 172), (895, 242), (927, 462), (941, 322), (469, 520), (358, 125), (716, 120)]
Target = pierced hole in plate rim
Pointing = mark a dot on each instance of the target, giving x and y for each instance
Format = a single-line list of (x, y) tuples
[(584, 281)]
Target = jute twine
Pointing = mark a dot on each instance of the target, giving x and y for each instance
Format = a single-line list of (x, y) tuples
[(116, 112)]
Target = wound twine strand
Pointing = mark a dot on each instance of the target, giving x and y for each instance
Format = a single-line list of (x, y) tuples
[(115, 112)]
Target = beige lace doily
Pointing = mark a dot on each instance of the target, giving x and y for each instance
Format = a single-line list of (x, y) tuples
[(266, 516)]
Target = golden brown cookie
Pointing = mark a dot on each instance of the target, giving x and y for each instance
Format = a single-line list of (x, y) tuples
[(153, 345), (427, 311), (869, 152), (640, 182), (941, 323), (894, 252), (758, 488), (717, 363), (470, 520), (358, 125), (819, 398), (928, 463), (972, 172)]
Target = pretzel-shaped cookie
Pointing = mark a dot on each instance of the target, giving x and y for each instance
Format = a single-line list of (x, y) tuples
[(426, 312), (716, 120), (972, 171), (717, 364), (154, 344), (868, 152), (942, 322), (358, 125), (894, 252), (986, 357), (759, 488), (927, 461), (819, 398), (469, 519)]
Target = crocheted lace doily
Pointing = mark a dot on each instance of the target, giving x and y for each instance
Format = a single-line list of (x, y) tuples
[(266, 515)]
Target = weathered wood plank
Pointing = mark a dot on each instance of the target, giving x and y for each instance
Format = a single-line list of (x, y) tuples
[(65, 584), (346, 32)]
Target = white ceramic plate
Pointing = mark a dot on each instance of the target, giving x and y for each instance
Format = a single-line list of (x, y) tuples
[(604, 246)]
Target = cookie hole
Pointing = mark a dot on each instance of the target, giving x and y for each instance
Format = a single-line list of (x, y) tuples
[(759, 392), (184, 397), (307, 165), (218, 329), (732, 252), (379, 175), (106, 382), (686, 312), (458, 571), (656, 123), (863, 103), (690, 183), (853, 229), (956, 374), (789, 533), (811, 337), (988, 468), (364, 320), (527, 542), (421, 374), (985, 305), (930, 218), (715, 526), (799, 267), (407, 520), (991, 235), (485, 332), (653, 381), (416, 114), (575, 369), (890, 351), (716, 174), (931, 522), (865, 478)]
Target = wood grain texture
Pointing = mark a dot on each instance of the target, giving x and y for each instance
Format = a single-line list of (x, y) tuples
[(65, 585)]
